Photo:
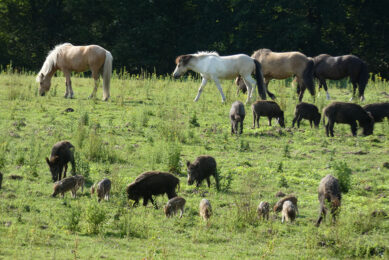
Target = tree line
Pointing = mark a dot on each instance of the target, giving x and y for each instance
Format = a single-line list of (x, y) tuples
[(149, 34)]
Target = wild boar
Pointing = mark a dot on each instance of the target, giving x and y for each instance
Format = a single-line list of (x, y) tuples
[(103, 189), (263, 210), (329, 191), (61, 153), (173, 205), (72, 184), (202, 168), (347, 113), (306, 111), (205, 209), (278, 206), (241, 85), (288, 211), (237, 115), (267, 108), (152, 183), (378, 110)]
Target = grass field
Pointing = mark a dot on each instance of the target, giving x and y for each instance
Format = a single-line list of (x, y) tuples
[(153, 124)]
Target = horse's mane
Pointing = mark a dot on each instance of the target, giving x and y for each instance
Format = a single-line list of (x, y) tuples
[(206, 53), (264, 51), (51, 61)]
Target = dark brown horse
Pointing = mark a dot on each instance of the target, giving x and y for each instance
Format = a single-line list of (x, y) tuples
[(335, 68)]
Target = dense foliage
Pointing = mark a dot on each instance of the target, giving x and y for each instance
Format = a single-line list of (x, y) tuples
[(149, 34)]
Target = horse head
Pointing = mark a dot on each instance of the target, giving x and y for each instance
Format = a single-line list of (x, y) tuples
[(182, 65), (44, 83)]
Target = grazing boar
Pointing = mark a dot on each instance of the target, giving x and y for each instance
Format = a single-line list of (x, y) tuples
[(61, 153), (306, 111), (102, 188), (241, 85), (173, 205), (237, 115), (152, 183), (267, 108), (263, 210), (288, 211), (205, 209), (202, 168), (72, 184), (329, 191), (378, 110), (347, 113), (278, 206)]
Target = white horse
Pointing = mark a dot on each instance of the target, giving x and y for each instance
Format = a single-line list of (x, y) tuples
[(68, 58), (211, 66)]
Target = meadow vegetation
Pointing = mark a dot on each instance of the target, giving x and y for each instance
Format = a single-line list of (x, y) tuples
[(152, 123)]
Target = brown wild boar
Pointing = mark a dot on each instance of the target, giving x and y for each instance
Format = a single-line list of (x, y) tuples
[(61, 153), (378, 110), (205, 209), (237, 115), (267, 108), (329, 192), (202, 168), (102, 188), (288, 211), (306, 111), (173, 205), (152, 183), (72, 184), (263, 210), (347, 113), (278, 206)]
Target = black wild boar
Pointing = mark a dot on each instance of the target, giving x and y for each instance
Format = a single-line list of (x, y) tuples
[(202, 168), (152, 183), (306, 111), (329, 191), (347, 113), (102, 188), (61, 153), (241, 85), (72, 183), (378, 110), (267, 108), (237, 115)]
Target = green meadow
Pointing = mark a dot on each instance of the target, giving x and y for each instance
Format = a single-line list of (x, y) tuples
[(152, 123)]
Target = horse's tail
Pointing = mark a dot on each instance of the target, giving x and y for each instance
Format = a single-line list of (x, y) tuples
[(259, 78), (107, 72), (308, 76), (363, 78)]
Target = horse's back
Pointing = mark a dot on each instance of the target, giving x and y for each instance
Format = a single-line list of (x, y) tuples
[(337, 67), (82, 58)]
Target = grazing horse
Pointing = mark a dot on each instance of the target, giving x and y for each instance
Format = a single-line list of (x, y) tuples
[(282, 65), (67, 58), (328, 67), (211, 66)]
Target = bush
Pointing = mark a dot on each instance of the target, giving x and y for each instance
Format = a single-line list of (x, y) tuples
[(95, 216), (343, 173), (174, 160), (74, 219)]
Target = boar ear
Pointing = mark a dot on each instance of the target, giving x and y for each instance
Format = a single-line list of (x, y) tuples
[(48, 161), (187, 163)]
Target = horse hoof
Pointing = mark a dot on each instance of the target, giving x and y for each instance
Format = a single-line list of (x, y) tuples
[(362, 98), (351, 99)]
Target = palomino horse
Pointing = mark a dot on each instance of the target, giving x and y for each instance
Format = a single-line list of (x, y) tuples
[(211, 66), (328, 67), (68, 58), (282, 65)]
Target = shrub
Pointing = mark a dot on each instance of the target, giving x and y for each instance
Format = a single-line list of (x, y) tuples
[(193, 121), (343, 173), (95, 216), (73, 219), (173, 159)]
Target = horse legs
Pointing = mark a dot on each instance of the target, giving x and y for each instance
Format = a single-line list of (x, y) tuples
[(66, 169), (249, 84), (69, 90), (322, 82), (96, 77), (203, 82), (219, 87), (354, 90)]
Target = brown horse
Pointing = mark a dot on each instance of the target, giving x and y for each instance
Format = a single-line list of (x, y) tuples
[(328, 67), (68, 58), (282, 65)]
